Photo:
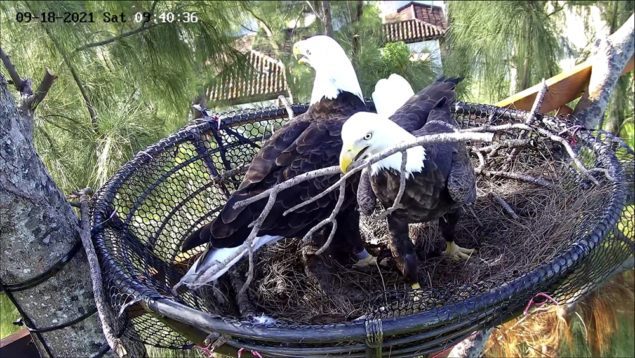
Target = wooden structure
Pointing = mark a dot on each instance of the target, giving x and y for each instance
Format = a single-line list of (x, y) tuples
[(562, 89)]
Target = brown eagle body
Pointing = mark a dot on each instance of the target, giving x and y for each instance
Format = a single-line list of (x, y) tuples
[(308, 142), (446, 182)]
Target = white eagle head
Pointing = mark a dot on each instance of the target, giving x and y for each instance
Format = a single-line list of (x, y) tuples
[(334, 72), (365, 134)]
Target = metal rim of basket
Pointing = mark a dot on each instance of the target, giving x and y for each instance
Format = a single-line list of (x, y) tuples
[(422, 332)]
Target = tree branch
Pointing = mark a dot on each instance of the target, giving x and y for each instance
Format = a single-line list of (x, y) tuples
[(89, 105), (42, 90), (95, 274), (402, 187), (23, 86), (123, 35), (330, 219), (608, 63), (427, 139)]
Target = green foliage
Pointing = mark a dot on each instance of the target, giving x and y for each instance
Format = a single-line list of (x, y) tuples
[(140, 86), (500, 47), (8, 314)]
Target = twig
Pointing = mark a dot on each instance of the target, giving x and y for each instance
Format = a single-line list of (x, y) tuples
[(498, 128), (23, 86), (330, 219), (95, 274), (505, 205), (511, 143), (402, 187), (250, 239), (42, 90), (481, 161), (571, 153), (531, 116), (540, 98), (289, 183), (426, 139), (517, 176), (245, 307), (141, 28), (80, 85), (287, 106)]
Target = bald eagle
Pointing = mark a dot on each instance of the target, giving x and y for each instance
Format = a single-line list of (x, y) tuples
[(440, 178), (310, 141), (390, 94)]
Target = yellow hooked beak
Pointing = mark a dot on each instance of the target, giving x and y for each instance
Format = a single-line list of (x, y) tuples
[(348, 155), (297, 53)]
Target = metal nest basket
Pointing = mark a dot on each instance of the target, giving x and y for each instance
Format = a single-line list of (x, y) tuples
[(143, 213)]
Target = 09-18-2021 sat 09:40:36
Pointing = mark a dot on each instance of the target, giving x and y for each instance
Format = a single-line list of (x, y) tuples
[(105, 16)]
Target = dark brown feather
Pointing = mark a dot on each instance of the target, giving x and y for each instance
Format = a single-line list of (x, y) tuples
[(308, 142), (446, 182)]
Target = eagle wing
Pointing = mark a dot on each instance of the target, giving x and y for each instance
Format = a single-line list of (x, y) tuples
[(309, 142), (451, 158), (413, 115)]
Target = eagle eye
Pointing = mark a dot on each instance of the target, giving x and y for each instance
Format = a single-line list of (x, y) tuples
[(308, 52), (368, 136)]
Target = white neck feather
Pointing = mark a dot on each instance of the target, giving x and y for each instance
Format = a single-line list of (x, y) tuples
[(391, 136), (333, 79), (414, 162)]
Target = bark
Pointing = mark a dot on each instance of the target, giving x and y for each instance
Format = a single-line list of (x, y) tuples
[(355, 17), (327, 19), (608, 63), (37, 228)]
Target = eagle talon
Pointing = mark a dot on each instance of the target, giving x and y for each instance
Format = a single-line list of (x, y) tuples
[(365, 262), (456, 252), (416, 288)]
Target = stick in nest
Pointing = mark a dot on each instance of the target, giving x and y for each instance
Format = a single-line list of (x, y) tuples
[(402, 187), (505, 205)]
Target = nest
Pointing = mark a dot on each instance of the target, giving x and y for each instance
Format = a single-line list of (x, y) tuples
[(550, 231), (547, 220)]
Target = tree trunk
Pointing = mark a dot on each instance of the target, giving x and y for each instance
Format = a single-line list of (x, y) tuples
[(355, 16), (327, 19), (37, 228), (608, 64)]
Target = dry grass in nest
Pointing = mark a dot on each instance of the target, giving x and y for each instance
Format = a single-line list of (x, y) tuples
[(550, 219)]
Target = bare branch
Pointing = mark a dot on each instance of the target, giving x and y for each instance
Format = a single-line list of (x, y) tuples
[(531, 116), (95, 274), (287, 106), (505, 205), (481, 160), (250, 239), (42, 90), (289, 183), (498, 128), (571, 153), (23, 86), (427, 139), (402, 187), (540, 98), (330, 219)]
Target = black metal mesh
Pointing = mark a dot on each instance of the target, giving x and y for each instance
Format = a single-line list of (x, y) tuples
[(143, 213)]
